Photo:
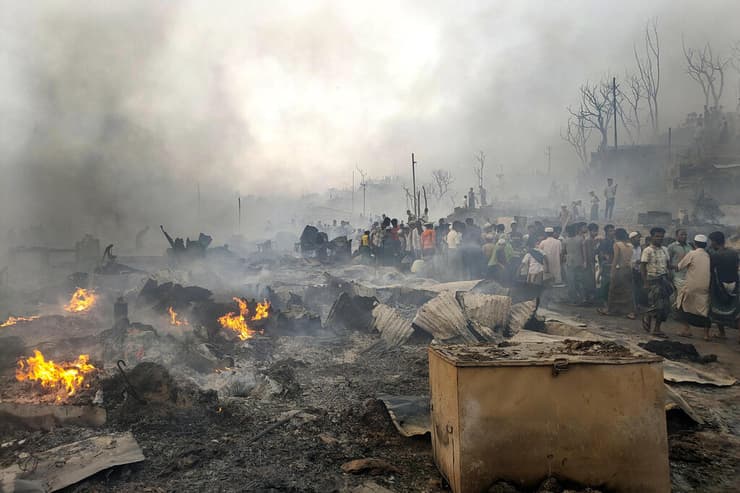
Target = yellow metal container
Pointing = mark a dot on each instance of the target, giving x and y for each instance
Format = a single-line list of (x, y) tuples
[(589, 412)]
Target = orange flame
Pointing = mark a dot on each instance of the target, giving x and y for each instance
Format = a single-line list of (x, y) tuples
[(238, 322), (63, 377), (14, 320), (173, 318), (82, 300), (261, 311)]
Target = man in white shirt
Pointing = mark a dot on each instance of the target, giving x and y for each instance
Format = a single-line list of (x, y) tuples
[(454, 253), (553, 249)]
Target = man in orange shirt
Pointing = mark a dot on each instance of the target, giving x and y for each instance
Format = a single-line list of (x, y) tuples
[(428, 241)]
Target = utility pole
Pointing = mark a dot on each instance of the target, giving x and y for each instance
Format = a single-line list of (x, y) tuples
[(548, 155), (198, 193), (363, 184), (614, 109), (353, 194), (239, 213), (413, 179)]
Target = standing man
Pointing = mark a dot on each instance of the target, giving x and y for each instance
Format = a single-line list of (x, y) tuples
[(454, 256), (605, 253), (564, 216), (610, 192), (471, 198), (552, 248), (692, 299), (471, 251), (676, 252), (594, 206), (637, 293), (515, 236), (655, 269), (575, 264), (589, 252), (725, 309), (428, 241)]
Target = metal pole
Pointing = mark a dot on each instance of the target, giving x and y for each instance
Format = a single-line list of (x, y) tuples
[(413, 179), (239, 214), (614, 102), (364, 188), (198, 190), (353, 195)]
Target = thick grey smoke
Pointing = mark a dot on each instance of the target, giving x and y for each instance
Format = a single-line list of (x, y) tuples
[(115, 113)]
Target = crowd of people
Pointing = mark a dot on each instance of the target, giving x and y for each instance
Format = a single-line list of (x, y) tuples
[(618, 271), (623, 273)]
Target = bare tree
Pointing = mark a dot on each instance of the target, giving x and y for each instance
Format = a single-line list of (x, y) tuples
[(480, 159), (577, 135), (596, 108), (409, 197), (363, 185), (736, 55), (708, 70), (629, 109), (442, 181), (648, 67)]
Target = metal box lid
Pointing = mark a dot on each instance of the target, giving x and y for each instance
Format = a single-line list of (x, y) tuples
[(542, 353)]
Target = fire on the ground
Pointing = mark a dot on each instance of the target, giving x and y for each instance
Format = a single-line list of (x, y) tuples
[(14, 320), (238, 321), (82, 301), (64, 378), (175, 317)]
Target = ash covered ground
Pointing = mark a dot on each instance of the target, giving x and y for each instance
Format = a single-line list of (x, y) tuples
[(286, 409)]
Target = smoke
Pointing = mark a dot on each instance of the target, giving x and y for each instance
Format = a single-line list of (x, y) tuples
[(116, 113)]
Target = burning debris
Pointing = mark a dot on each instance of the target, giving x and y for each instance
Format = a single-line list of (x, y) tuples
[(64, 379), (238, 322), (14, 320), (82, 301), (174, 318)]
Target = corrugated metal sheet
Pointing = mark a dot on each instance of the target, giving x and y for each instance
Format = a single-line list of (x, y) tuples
[(521, 313), (444, 319), (488, 310), (393, 328)]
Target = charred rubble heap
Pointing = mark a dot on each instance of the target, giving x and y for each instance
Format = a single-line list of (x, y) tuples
[(320, 384)]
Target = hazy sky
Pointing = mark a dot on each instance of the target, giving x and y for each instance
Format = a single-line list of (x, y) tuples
[(105, 103)]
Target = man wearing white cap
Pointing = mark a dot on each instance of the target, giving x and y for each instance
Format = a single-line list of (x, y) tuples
[(692, 299), (553, 249)]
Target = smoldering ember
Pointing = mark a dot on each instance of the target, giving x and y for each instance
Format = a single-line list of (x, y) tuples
[(385, 247)]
